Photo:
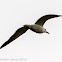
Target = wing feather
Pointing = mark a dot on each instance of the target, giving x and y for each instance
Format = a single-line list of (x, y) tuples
[(43, 19), (19, 32)]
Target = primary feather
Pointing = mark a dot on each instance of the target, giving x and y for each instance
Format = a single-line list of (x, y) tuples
[(43, 19), (19, 32)]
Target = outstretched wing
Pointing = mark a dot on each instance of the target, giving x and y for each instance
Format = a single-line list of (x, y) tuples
[(19, 32), (43, 19)]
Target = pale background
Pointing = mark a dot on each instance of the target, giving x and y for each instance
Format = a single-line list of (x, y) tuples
[(31, 47)]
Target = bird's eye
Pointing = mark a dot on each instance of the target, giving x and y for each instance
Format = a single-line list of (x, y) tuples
[(45, 29)]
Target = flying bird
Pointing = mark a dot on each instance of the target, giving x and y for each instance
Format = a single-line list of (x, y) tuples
[(37, 27)]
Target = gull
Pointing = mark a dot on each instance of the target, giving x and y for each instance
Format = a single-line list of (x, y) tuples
[(37, 27)]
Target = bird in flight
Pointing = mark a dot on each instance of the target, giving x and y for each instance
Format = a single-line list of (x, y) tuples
[(37, 27)]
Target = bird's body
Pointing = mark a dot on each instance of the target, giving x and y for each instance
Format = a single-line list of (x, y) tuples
[(37, 27)]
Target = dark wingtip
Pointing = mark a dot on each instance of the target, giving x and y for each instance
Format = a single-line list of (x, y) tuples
[(1, 46), (7, 42), (59, 15)]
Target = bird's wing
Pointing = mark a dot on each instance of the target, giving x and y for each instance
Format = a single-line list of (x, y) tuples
[(19, 32), (43, 19)]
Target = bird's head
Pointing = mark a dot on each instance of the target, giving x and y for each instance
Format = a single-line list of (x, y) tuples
[(45, 31)]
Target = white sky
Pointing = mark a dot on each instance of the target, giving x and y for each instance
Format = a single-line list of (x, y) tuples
[(31, 46)]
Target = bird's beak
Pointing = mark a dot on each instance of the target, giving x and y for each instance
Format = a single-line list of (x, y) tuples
[(48, 32)]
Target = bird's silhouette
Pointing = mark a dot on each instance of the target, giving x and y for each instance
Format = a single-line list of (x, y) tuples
[(37, 27)]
